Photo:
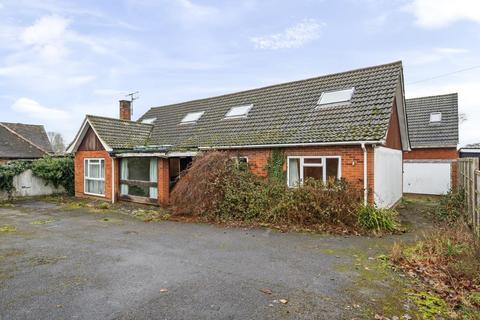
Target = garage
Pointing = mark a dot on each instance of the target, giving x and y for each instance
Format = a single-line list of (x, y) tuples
[(427, 177)]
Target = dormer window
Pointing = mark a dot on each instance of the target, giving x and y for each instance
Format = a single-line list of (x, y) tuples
[(435, 117), (192, 117), (336, 97), (238, 112)]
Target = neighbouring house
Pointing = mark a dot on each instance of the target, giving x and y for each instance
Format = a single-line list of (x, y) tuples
[(349, 125), (20, 141), (431, 166), (470, 151)]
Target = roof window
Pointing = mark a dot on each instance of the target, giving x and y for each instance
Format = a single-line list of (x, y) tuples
[(435, 117), (336, 97), (239, 112), (149, 120), (192, 117)]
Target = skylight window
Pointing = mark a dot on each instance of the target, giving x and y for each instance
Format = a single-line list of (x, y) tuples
[(149, 120), (435, 117), (336, 97), (192, 117), (239, 112)]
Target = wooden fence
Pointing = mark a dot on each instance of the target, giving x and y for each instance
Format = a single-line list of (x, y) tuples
[(469, 181)]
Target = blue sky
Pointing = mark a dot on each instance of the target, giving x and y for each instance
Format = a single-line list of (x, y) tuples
[(60, 60)]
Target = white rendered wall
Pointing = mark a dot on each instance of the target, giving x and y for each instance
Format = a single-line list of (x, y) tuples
[(388, 176)]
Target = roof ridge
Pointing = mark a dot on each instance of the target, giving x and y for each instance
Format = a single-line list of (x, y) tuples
[(434, 96), (282, 84), (23, 124), (120, 120), (22, 137)]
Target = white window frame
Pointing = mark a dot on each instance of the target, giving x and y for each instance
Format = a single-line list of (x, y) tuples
[(351, 92), (323, 165), (197, 114), (85, 178), (434, 115), (229, 115)]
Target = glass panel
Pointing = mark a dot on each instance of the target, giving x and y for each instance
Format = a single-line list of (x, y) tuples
[(313, 160), (94, 186), (94, 170), (102, 170), (293, 172), (139, 191), (139, 169), (336, 96), (85, 166), (313, 172), (238, 111), (192, 117), (124, 169), (153, 170), (332, 168), (153, 193), (124, 189)]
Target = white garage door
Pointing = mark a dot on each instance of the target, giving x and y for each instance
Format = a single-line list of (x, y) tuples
[(426, 177)]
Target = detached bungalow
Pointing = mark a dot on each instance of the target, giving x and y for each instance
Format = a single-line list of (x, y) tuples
[(348, 125), (431, 166), (19, 141)]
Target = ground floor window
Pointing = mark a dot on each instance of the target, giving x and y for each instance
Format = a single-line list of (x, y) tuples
[(138, 177), (94, 176), (320, 168)]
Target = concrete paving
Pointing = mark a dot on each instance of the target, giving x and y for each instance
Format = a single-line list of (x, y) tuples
[(78, 264)]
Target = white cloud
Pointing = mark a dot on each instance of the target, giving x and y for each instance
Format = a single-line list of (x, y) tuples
[(193, 12), (293, 37), (441, 13), (46, 36), (33, 109)]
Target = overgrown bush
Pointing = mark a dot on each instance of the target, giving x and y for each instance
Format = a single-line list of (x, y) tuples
[(58, 171), (378, 219), (10, 170), (450, 207), (216, 188)]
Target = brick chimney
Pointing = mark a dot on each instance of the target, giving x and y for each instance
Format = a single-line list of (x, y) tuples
[(125, 110)]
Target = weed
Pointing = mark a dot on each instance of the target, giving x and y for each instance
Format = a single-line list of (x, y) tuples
[(40, 222), (8, 229), (373, 218)]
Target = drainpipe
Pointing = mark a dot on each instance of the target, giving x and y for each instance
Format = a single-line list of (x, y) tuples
[(365, 175), (113, 180)]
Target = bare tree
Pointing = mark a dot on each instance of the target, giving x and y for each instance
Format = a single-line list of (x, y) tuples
[(57, 142), (462, 117)]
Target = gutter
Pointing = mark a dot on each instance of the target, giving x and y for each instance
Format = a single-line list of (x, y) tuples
[(113, 180), (312, 144)]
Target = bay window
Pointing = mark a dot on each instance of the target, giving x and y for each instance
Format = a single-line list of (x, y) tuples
[(94, 176), (321, 168)]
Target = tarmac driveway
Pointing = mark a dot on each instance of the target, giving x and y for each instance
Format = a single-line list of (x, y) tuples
[(79, 264)]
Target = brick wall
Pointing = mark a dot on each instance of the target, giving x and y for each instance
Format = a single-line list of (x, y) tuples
[(80, 156), (431, 154), (163, 181), (351, 161), (436, 154)]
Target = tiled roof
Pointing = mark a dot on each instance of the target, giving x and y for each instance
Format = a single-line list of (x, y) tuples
[(26, 142), (121, 134), (472, 146), (282, 114), (422, 132), (33, 133)]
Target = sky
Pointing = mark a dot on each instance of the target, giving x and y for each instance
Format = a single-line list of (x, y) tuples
[(60, 60)]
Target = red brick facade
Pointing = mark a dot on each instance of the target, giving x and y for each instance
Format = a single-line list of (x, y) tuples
[(351, 161)]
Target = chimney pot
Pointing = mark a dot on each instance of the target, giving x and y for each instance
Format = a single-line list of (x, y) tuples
[(125, 110)]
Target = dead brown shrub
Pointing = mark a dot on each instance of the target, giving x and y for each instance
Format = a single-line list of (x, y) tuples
[(447, 260)]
